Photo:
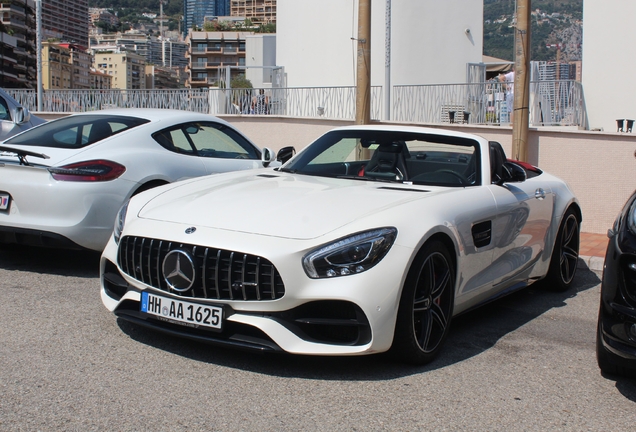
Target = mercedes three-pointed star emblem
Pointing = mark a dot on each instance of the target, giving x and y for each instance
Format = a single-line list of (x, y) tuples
[(178, 270)]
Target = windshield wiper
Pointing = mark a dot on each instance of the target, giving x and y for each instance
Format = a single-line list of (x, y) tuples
[(286, 170), (22, 154), (370, 178)]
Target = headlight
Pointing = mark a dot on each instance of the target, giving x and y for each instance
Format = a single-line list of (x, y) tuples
[(120, 220), (350, 255)]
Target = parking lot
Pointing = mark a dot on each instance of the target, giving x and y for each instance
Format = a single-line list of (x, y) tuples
[(525, 362)]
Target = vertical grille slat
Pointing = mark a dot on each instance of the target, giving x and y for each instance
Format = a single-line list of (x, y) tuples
[(159, 278), (220, 274), (141, 260), (134, 267), (256, 278), (204, 275), (149, 267), (243, 281), (229, 276), (217, 267)]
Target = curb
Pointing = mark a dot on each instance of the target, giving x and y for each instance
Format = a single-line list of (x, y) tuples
[(591, 262)]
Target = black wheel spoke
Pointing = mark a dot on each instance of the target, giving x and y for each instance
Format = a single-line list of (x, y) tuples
[(441, 285), (439, 316), (425, 330)]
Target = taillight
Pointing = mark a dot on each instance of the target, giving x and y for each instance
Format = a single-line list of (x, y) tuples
[(88, 171)]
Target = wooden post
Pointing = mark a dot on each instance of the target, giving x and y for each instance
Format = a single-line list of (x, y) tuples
[(521, 103), (363, 68)]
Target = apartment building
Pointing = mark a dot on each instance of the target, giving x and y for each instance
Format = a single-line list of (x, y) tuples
[(158, 51), (19, 60), (65, 66), (8, 61), (100, 80), (56, 67), (67, 20), (210, 53), (127, 69), (258, 11), (103, 15), (161, 78)]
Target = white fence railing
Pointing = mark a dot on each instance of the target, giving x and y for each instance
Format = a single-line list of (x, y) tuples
[(327, 102), (551, 102)]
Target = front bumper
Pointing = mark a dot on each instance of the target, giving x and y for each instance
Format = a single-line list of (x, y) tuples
[(617, 317), (350, 315)]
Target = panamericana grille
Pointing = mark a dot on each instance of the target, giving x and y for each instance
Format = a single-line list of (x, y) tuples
[(220, 274)]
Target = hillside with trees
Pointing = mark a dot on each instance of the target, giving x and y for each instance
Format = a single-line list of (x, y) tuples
[(556, 29)]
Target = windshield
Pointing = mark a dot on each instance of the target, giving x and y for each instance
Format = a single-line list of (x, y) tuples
[(75, 131), (405, 157)]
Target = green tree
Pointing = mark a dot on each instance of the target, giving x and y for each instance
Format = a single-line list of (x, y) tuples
[(241, 82)]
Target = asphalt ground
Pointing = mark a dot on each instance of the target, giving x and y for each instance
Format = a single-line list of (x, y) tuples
[(523, 363)]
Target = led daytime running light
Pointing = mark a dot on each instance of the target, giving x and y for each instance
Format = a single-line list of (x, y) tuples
[(350, 255)]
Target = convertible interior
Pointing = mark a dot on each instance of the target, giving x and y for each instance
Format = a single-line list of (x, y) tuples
[(417, 162)]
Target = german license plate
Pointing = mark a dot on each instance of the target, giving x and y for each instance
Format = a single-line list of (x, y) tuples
[(182, 312), (5, 199)]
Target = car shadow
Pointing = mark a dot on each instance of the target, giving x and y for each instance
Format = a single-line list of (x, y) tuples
[(78, 263), (626, 386), (471, 334)]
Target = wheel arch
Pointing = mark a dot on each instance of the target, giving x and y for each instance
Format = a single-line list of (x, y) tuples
[(149, 185), (447, 240)]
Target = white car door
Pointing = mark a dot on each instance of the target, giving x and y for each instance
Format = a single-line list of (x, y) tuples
[(524, 212)]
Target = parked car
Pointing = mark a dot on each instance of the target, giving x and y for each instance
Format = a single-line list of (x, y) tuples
[(62, 182), (14, 118), (616, 330), (370, 239)]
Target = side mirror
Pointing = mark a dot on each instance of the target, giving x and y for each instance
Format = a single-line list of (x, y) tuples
[(286, 154), (20, 115), (267, 156), (513, 173)]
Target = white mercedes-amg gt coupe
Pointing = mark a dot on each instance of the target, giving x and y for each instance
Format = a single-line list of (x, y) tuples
[(369, 240)]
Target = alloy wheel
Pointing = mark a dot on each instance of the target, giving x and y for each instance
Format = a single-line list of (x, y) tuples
[(432, 303), (569, 251)]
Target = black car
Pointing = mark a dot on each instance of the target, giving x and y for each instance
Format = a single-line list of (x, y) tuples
[(616, 332)]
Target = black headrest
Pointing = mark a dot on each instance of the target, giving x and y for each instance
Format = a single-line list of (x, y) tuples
[(497, 159)]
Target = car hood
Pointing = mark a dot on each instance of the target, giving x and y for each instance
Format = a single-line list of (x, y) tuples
[(276, 204)]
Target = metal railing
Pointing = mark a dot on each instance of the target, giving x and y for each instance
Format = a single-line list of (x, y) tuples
[(551, 102), (326, 102), (89, 100)]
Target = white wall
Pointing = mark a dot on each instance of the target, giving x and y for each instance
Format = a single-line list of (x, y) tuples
[(429, 44), (609, 62), (260, 50)]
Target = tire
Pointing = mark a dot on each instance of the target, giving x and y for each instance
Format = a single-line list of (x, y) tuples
[(608, 362), (565, 254), (426, 306)]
